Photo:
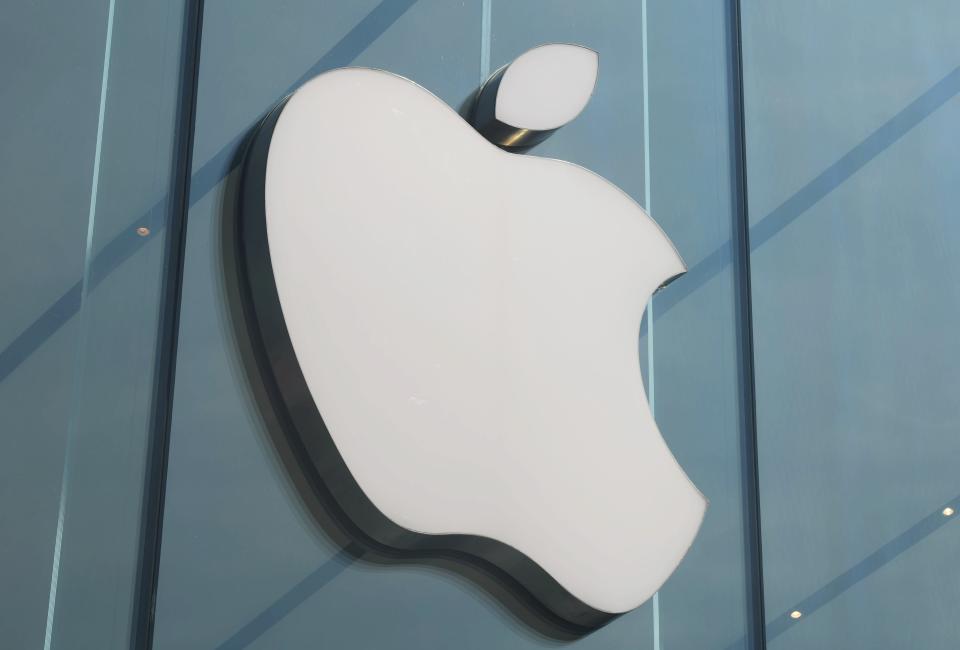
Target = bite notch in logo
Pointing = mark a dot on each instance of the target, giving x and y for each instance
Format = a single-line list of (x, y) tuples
[(453, 330)]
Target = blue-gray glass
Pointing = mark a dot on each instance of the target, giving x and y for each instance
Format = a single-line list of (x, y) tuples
[(90, 95), (46, 158), (248, 560), (852, 122), (696, 359)]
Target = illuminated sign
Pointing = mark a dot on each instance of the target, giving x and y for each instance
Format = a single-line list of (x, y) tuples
[(453, 328)]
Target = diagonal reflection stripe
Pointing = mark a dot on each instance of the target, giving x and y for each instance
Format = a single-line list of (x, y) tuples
[(204, 179), (862, 569), (292, 599), (870, 564), (807, 196)]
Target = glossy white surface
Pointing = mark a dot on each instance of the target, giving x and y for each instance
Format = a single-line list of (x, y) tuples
[(467, 321), (546, 87)]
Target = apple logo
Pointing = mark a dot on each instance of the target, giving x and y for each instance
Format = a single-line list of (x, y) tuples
[(453, 330)]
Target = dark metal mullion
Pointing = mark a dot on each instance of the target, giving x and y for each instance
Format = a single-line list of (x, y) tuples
[(166, 356), (756, 636)]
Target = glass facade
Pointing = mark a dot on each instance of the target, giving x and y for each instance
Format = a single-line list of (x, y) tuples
[(93, 95), (852, 163), (801, 156)]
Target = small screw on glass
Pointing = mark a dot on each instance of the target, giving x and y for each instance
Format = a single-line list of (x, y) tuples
[(948, 512), (143, 231), (795, 614)]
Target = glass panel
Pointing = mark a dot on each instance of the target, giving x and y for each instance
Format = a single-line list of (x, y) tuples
[(696, 370), (852, 125), (88, 157), (246, 561), (46, 159)]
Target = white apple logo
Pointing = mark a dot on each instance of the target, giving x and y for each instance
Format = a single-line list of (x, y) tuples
[(465, 321)]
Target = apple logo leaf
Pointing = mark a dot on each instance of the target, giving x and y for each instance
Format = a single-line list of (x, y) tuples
[(525, 101), (452, 332)]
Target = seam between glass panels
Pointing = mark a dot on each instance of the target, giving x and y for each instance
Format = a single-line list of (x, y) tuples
[(80, 356), (651, 382), (741, 249)]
